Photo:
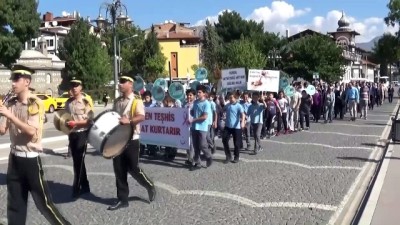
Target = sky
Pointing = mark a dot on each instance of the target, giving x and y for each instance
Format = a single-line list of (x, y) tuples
[(366, 16)]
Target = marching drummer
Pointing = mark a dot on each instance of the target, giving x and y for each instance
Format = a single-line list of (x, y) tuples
[(131, 109), (80, 109), (23, 117)]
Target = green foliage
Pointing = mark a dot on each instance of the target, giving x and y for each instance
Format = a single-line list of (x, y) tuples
[(19, 22), (85, 57), (231, 26), (386, 51), (393, 16), (151, 58), (212, 50), (243, 53), (315, 54)]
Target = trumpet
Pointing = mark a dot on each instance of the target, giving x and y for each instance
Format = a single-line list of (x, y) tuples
[(7, 97)]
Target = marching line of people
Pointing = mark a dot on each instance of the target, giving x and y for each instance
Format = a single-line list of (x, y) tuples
[(262, 115)]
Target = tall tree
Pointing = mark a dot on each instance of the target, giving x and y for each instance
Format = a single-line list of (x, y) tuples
[(231, 26), (129, 46), (315, 53), (211, 49), (386, 51), (393, 16), (19, 22), (243, 53), (85, 57), (151, 58)]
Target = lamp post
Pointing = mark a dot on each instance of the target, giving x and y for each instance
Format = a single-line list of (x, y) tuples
[(119, 50), (274, 55), (115, 13)]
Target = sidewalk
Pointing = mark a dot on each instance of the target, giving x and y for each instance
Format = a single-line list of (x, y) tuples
[(383, 206)]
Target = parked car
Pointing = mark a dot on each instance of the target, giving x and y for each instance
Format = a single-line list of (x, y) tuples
[(65, 96), (50, 104)]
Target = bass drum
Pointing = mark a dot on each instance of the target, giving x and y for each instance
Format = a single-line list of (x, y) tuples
[(108, 136)]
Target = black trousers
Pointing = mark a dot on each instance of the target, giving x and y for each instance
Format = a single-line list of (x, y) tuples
[(78, 146), (237, 141), (306, 117), (390, 98), (128, 162), (26, 175)]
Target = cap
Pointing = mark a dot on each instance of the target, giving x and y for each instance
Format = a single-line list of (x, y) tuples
[(127, 77), (75, 81), (21, 71)]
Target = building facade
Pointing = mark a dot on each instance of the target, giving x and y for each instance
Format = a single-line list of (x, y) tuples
[(181, 46), (357, 63), (48, 68)]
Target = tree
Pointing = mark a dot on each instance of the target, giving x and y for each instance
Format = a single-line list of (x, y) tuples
[(151, 58), (85, 58), (243, 53), (393, 16), (386, 51), (315, 53), (19, 22), (231, 26), (211, 50)]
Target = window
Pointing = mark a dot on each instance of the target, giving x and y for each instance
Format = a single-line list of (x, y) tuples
[(48, 78), (48, 42), (33, 43), (51, 43)]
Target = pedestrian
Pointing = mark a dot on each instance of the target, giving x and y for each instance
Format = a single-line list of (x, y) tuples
[(199, 128), (245, 104), (390, 93), (131, 109), (282, 117), (23, 117), (190, 97), (352, 99), (235, 122), (105, 99), (364, 96), (256, 113), (328, 105), (304, 110), (81, 112)]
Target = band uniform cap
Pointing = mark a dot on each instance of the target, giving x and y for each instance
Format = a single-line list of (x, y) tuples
[(127, 77), (21, 70), (75, 80)]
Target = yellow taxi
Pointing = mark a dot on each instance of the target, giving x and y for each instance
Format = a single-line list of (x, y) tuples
[(65, 96), (49, 102)]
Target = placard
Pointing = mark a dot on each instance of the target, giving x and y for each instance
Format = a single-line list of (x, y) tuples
[(166, 127), (263, 80), (233, 78)]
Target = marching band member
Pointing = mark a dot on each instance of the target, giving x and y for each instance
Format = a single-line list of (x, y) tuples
[(235, 122), (131, 109), (199, 128), (23, 117), (79, 108)]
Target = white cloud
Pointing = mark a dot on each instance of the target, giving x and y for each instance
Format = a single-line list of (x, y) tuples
[(65, 13), (212, 19), (280, 16)]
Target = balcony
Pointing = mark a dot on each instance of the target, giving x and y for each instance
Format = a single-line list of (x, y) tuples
[(351, 56)]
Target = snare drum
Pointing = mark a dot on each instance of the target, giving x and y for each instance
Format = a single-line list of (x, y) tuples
[(108, 136)]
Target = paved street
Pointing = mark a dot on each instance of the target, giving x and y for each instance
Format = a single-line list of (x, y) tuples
[(303, 178)]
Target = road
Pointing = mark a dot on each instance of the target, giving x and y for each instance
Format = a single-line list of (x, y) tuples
[(309, 177), (49, 130)]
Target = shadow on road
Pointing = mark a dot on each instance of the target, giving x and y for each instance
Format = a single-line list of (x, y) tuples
[(373, 145), (359, 159)]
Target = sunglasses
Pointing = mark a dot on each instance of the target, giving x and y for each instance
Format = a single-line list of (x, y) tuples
[(75, 84), (123, 81), (16, 76)]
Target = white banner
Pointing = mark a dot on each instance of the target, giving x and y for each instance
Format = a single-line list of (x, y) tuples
[(263, 80), (166, 127), (233, 78)]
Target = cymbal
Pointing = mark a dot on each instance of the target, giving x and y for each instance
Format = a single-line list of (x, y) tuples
[(60, 121)]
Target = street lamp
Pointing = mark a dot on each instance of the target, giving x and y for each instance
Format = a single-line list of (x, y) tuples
[(274, 55), (115, 13), (119, 50)]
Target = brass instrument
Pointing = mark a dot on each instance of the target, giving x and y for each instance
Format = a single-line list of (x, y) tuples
[(7, 97)]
